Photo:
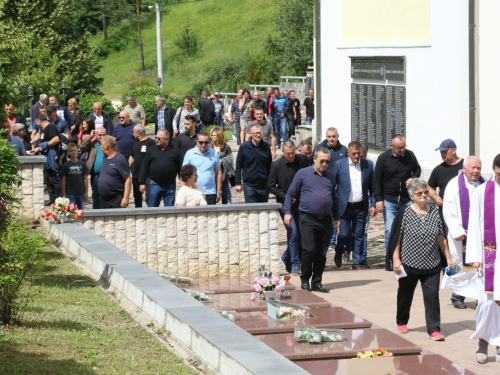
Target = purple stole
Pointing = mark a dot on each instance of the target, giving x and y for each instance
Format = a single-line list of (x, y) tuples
[(490, 238), (463, 194)]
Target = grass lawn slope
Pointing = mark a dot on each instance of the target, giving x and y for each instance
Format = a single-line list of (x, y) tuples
[(73, 327), (226, 29)]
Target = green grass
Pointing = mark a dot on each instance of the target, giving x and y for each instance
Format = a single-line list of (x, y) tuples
[(227, 29), (73, 327)]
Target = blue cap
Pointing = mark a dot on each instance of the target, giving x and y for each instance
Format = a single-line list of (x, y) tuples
[(446, 144)]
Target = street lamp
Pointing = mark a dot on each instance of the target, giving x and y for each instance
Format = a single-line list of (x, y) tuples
[(30, 96), (158, 82), (63, 86), (22, 86), (156, 7)]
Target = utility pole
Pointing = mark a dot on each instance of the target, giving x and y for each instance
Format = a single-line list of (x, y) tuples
[(156, 7)]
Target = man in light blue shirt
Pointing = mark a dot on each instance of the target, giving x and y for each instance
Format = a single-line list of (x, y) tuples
[(207, 164)]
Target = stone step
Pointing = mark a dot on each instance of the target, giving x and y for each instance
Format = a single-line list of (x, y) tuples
[(434, 364), (356, 341), (240, 302), (227, 285), (258, 323)]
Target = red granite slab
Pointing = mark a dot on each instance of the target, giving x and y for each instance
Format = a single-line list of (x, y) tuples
[(356, 340), (434, 364), (241, 302), (258, 323), (233, 284)]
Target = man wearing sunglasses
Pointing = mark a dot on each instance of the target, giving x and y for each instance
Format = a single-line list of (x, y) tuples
[(161, 165), (394, 171), (124, 134), (207, 164), (315, 185)]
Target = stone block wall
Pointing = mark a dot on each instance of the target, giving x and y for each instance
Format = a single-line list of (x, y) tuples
[(229, 240), (31, 190)]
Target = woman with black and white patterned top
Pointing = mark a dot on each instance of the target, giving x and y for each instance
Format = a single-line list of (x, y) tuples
[(420, 238)]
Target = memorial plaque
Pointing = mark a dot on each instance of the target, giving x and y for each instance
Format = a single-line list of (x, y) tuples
[(395, 71), (368, 70), (377, 113)]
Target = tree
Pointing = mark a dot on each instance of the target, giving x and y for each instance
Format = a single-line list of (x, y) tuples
[(39, 42), (187, 41), (224, 76)]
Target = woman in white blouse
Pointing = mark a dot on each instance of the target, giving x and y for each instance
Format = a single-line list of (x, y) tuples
[(190, 194)]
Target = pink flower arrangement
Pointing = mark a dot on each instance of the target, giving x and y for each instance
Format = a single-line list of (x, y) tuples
[(267, 281), (61, 208)]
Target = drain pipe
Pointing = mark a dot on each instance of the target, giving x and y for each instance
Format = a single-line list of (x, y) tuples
[(317, 72), (472, 77)]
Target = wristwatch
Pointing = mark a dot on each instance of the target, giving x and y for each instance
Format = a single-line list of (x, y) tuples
[(220, 192)]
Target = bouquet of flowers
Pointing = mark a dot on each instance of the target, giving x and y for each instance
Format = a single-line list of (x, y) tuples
[(285, 312), (62, 210), (267, 281), (374, 353)]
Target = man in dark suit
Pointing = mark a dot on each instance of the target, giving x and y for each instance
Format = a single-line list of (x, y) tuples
[(163, 116), (281, 176), (353, 177)]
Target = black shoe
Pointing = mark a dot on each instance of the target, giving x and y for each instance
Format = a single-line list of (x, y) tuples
[(305, 286), (338, 259), (459, 305), (320, 288), (365, 264)]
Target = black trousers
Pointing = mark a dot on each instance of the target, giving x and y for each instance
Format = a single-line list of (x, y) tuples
[(430, 289), (53, 184), (111, 202), (136, 192), (316, 235)]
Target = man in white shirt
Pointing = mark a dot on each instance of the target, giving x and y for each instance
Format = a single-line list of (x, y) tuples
[(456, 208), (483, 237)]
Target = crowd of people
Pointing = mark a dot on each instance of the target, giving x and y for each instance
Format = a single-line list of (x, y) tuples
[(328, 192)]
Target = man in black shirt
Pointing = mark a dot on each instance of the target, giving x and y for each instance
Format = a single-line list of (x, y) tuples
[(394, 171), (309, 107), (281, 176), (439, 178), (137, 153), (258, 102), (207, 110), (161, 165), (254, 158), (48, 145), (187, 140)]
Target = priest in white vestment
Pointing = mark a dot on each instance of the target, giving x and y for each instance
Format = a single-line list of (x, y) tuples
[(482, 243), (456, 204)]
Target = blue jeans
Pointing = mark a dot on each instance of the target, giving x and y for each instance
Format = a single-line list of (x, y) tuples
[(309, 120), (280, 130), (334, 233), (390, 211), (96, 200), (76, 199), (352, 227), (253, 194), (157, 192), (293, 251), (226, 192), (365, 239)]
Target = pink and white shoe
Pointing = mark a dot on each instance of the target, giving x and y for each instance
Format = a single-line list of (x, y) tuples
[(403, 329), (436, 336)]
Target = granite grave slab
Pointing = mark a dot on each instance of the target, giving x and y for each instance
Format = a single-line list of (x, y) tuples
[(356, 340), (226, 285), (434, 364), (331, 317), (241, 302)]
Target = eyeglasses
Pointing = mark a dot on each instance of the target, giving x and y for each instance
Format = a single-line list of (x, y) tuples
[(399, 148), (159, 139), (121, 118), (324, 161), (420, 193), (203, 142)]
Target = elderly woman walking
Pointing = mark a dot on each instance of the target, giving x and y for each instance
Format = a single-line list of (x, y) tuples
[(417, 237)]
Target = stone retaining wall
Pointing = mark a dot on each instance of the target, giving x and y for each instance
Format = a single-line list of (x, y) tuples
[(31, 190), (223, 240)]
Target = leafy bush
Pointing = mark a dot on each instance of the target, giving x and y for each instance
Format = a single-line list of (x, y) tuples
[(87, 102), (19, 255), (9, 179)]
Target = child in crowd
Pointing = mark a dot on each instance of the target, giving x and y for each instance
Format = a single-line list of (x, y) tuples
[(74, 178)]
